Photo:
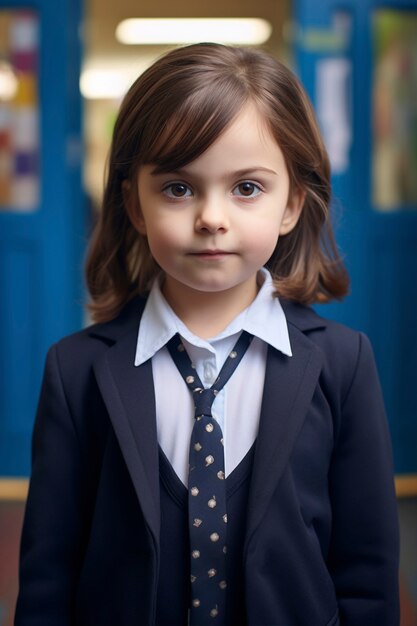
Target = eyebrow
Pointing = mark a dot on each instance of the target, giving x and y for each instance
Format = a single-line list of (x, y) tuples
[(237, 173)]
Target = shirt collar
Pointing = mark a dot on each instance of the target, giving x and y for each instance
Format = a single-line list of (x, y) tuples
[(159, 322)]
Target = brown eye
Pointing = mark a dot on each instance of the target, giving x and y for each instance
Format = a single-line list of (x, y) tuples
[(247, 189), (177, 190)]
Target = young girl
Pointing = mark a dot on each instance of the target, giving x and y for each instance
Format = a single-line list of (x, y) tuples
[(275, 506)]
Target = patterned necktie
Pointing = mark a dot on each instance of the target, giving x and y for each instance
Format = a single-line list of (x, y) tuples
[(207, 489)]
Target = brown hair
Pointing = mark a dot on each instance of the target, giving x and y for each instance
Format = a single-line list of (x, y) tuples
[(172, 113)]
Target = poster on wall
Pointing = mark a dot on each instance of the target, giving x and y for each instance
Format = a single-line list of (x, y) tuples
[(394, 157), (19, 111)]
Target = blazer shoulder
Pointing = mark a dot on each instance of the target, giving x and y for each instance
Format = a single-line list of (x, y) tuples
[(341, 347), (319, 328), (84, 346)]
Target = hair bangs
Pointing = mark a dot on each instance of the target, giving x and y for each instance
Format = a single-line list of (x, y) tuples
[(195, 125)]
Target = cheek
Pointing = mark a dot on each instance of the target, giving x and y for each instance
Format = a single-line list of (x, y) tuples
[(267, 245), (262, 235), (163, 236)]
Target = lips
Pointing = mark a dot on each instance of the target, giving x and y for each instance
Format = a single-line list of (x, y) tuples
[(210, 252), (210, 256)]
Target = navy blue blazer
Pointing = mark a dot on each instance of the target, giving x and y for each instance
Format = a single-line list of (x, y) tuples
[(321, 546)]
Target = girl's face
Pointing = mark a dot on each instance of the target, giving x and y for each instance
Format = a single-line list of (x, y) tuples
[(215, 222)]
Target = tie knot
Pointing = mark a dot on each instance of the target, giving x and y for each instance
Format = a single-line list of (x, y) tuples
[(203, 400)]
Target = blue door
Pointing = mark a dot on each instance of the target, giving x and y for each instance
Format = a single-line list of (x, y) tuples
[(358, 60), (41, 205)]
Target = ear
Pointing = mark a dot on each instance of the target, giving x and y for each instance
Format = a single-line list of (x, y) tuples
[(293, 211), (131, 202)]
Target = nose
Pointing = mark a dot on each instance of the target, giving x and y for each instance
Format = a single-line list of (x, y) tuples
[(211, 216)]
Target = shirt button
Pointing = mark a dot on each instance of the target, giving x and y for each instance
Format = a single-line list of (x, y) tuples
[(209, 373)]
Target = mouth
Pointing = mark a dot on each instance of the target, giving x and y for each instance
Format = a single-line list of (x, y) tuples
[(210, 254)]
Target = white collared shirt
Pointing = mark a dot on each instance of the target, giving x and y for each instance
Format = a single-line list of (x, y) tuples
[(237, 407)]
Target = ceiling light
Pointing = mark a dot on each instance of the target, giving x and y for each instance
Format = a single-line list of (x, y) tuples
[(253, 31), (8, 82), (109, 79), (99, 84)]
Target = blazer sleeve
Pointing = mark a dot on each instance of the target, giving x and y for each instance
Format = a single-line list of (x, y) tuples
[(363, 557), (51, 542)]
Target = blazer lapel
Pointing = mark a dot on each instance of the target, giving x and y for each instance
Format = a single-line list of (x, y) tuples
[(128, 393), (289, 387)]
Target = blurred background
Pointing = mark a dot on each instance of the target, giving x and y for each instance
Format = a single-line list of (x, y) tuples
[(64, 68)]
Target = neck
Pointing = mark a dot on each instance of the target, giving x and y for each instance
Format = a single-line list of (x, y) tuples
[(204, 313)]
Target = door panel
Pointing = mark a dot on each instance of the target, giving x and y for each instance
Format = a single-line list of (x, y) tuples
[(41, 207), (349, 60)]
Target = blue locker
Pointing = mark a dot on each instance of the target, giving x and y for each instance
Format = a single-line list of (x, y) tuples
[(354, 58), (41, 207)]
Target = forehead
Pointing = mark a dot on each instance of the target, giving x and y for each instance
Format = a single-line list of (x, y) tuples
[(188, 135), (246, 143), (249, 124)]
